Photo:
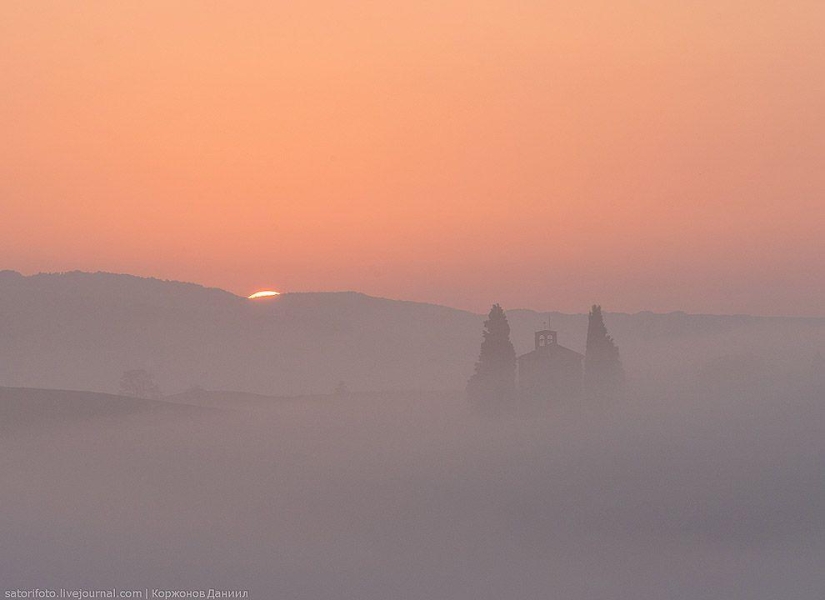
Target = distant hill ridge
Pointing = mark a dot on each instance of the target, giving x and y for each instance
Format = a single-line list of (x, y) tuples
[(111, 285), (82, 330)]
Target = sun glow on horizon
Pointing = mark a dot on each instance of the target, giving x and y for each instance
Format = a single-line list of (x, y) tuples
[(264, 294)]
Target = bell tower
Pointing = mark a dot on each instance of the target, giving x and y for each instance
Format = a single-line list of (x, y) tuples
[(546, 337)]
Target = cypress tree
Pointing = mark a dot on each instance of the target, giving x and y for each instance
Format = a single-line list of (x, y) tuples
[(602, 367), (493, 384)]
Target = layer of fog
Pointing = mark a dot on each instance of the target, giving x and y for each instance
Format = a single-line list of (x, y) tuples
[(711, 493)]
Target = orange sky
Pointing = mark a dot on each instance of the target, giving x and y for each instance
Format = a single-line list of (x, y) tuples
[(655, 154)]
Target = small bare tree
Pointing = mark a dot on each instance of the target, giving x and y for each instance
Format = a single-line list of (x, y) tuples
[(139, 383)]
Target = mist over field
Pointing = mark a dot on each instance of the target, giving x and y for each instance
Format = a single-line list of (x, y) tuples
[(415, 496)]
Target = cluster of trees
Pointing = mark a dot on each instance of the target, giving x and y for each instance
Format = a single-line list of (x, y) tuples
[(493, 384)]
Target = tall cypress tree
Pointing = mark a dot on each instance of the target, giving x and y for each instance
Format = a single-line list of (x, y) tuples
[(602, 367), (494, 382)]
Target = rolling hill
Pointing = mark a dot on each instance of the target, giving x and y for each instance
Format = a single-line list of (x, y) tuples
[(24, 408)]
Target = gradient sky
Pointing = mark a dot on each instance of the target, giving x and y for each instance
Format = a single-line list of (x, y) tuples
[(655, 154)]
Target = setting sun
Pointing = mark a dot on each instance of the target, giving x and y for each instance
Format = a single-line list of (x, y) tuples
[(264, 294)]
